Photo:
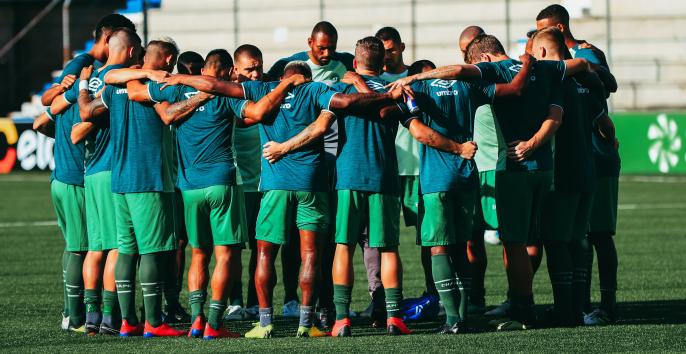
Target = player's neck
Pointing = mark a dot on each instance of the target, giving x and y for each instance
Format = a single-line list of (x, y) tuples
[(397, 70), (115, 59), (570, 41), (500, 57), (367, 72)]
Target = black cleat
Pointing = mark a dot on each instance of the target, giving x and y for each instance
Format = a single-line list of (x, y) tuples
[(92, 329), (457, 328), (110, 330), (176, 315)]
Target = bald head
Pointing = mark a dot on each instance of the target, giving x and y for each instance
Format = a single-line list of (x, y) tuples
[(124, 45), (468, 35)]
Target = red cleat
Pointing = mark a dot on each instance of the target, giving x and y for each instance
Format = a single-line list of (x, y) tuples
[(396, 327), (128, 330), (341, 328), (211, 333), (163, 330), (197, 327)]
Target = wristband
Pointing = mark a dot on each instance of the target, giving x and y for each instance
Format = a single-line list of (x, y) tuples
[(83, 85)]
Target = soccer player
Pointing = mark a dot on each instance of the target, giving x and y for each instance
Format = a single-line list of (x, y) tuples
[(98, 268), (248, 66), (327, 66), (448, 107), (143, 195), (368, 190), (603, 220), (67, 179), (407, 152), (527, 124), (567, 207)]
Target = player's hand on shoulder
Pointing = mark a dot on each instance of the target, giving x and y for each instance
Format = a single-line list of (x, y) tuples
[(171, 80), (273, 151), (158, 75), (68, 81), (351, 77), (86, 72), (527, 59), (468, 150), (405, 81), (298, 79), (519, 150)]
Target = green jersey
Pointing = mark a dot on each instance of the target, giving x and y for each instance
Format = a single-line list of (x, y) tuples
[(406, 147), (247, 153), (492, 152)]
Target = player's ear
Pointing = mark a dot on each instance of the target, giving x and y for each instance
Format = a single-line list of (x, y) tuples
[(543, 52), (561, 27), (485, 57), (402, 47), (355, 64), (309, 41)]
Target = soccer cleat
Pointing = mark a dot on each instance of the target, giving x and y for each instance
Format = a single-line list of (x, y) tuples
[(511, 325), (252, 313), (196, 330), (259, 332), (235, 313), (211, 333), (92, 329), (81, 329), (396, 327), (305, 332), (176, 315), (342, 328), (128, 330), (367, 312), (163, 330), (425, 307), (291, 309), (107, 329), (65, 322), (457, 328), (598, 318), (501, 310)]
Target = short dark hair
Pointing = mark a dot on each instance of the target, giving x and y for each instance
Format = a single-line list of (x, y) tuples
[(219, 58), (298, 67), (189, 63), (388, 33), (554, 12), (111, 22), (168, 47), (484, 43), (131, 35), (369, 51), (247, 49), (324, 27), (418, 65), (553, 35)]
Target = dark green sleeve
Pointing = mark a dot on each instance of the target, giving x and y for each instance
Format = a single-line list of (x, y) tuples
[(168, 94)]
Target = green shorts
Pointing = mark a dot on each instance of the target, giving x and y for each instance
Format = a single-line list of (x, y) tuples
[(519, 196), (448, 217), (409, 196), (604, 210), (215, 216), (252, 208), (280, 209), (487, 199), (564, 216), (179, 221), (70, 208), (102, 229), (145, 222), (357, 210)]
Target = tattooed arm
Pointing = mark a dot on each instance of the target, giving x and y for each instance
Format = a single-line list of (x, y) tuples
[(274, 151), (90, 108), (183, 109), (429, 137)]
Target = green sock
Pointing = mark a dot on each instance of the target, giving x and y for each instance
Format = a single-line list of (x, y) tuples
[(341, 300), (152, 284), (171, 292), (92, 299), (65, 262), (77, 313), (196, 299), (394, 297), (125, 278), (444, 278), (109, 302), (214, 316)]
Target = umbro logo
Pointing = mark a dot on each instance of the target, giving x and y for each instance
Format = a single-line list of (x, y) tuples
[(290, 96), (190, 94), (94, 84), (515, 67), (374, 85), (443, 83)]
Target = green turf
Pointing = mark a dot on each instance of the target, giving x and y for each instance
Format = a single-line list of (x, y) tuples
[(652, 287)]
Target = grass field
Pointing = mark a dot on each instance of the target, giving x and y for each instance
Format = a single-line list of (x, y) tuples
[(651, 243)]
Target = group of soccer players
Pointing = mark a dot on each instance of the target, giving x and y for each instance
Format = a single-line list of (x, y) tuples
[(321, 154)]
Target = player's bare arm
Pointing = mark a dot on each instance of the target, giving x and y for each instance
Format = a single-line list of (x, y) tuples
[(122, 76), (256, 112), (176, 112), (576, 65), (207, 84), (518, 85), (59, 105), (44, 125), (353, 78), (519, 150), (606, 128), (450, 72), (80, 131), (429, 137), (274, 151), (57, 89), (355, 101)]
